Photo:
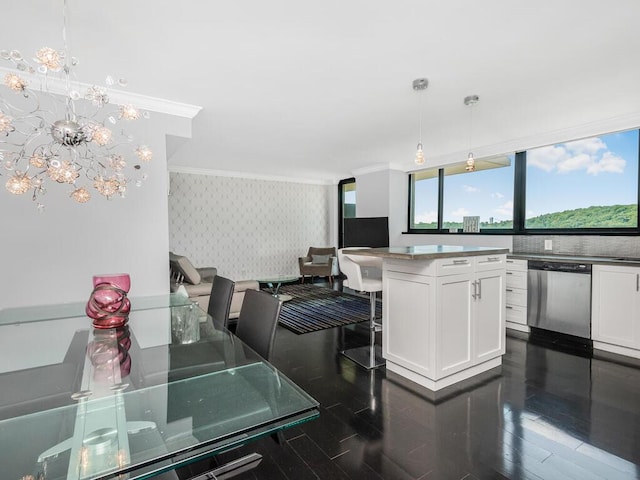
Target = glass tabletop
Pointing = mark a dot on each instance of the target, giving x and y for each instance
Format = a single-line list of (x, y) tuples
[(38, 313), (278, 279), (166, 389)]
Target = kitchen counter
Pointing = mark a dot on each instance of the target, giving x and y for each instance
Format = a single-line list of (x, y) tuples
[(443, 311), (594, 260), (428, 252)]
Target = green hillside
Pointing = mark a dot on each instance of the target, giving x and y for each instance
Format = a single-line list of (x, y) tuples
[(613, 216)]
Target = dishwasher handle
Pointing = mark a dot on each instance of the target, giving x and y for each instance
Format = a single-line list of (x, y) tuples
[(553, 266)]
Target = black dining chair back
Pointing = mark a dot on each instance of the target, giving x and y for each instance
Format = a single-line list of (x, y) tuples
[(258, 321), (220, 301)]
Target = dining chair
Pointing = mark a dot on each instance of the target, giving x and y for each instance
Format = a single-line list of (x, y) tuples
[(220, 301), (351, 265), (258, 321)]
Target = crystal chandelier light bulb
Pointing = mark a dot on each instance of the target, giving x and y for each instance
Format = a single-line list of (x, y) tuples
[(49, 58), (18, 183), (129, 112), (471, 163), (144, 153), (419, 155), (101, 135), (5, 123), (81, 195), (14, 82)]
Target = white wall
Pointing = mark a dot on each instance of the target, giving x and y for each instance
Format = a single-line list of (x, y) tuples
[(50, 257), (249, 228)]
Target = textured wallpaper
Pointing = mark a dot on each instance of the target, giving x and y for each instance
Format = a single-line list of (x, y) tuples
[(247, 228)]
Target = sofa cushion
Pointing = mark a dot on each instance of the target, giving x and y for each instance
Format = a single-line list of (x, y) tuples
[(186, 268), (202, 288), (319, 259)]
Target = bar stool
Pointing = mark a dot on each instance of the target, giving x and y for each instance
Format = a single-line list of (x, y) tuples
[(369, 356)]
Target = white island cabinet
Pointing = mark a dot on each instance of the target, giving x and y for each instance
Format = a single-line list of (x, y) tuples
[(444, 311), (615, 310)]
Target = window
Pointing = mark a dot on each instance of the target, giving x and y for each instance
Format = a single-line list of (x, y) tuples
[(581, 186), (486, 192), (424, 200), (584, 184)]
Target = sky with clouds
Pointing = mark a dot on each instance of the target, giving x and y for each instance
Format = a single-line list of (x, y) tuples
[(595, 171)]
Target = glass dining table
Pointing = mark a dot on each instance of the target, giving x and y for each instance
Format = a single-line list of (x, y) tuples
[(135, 402)]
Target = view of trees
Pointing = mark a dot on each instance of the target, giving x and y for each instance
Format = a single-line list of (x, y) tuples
[(613, 216)]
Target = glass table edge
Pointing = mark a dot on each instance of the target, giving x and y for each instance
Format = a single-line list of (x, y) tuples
[(200, 452), (36, 313)]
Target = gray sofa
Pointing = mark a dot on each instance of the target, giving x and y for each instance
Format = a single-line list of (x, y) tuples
[(198, 281)]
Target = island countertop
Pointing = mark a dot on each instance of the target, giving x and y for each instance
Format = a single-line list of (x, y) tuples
[(427, 252)]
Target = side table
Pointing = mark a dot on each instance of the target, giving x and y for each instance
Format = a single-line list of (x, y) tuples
[(274, 283)]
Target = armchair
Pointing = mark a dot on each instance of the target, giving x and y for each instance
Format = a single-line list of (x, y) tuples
[(319, 262)]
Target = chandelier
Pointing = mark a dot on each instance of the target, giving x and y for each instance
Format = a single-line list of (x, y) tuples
[(54, 130), (420, 84), (470, 101)]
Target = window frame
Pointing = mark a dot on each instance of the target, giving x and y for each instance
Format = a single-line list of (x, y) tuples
[(519, 205), (341, 184)]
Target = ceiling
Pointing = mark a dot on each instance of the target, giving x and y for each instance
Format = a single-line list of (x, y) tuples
[(320, 90)]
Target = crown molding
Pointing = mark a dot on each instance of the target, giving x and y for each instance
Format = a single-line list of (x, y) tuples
[(118, 97), (248, 175)]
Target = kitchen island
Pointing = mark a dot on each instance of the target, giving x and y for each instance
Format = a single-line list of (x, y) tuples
[(443, 311)]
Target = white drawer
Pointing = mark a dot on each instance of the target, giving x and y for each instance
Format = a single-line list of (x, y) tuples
[(490, 262), (516, 264), (516, 279), (453, 266), (517, 296), (516, 314)]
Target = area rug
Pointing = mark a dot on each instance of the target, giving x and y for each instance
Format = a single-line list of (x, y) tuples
[(314, 308)]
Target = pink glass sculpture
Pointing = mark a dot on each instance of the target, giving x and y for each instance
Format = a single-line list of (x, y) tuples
[(108, 304), (109, 354)]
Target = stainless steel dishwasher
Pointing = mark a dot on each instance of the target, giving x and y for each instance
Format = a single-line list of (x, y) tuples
[(559, 297)]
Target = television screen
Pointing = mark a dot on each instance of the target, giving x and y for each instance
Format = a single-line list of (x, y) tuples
[(366, 232)]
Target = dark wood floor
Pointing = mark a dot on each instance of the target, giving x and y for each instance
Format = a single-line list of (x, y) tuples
[(545, 414)]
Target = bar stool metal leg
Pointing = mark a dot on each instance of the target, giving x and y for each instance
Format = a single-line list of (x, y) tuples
[(369, 356)]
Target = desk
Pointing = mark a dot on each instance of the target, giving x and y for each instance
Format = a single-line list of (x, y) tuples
[(79, 403)]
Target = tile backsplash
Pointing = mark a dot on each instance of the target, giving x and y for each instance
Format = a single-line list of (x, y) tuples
[(589, 245)]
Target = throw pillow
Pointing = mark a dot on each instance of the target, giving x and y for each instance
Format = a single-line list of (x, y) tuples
[(319, 259)]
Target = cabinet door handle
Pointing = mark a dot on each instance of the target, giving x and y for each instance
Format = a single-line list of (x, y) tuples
[(637, 282), (494, 259), (509, 289), (509, 307), (509, 273), (479, 289), (460, 262), (475, 289)]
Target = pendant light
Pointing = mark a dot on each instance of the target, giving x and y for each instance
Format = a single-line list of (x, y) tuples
[(420, 84), (470, 101)]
